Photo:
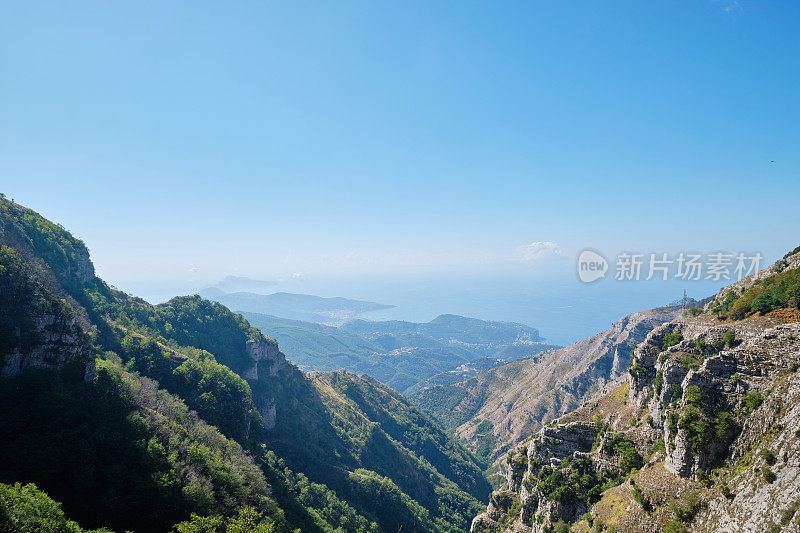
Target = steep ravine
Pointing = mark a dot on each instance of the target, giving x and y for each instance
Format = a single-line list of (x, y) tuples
[(514, 400)]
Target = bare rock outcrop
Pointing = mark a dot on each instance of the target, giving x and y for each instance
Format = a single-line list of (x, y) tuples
[(263, 356), (59, 340)]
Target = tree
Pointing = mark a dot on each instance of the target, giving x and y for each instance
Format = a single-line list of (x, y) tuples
[(694, 396)]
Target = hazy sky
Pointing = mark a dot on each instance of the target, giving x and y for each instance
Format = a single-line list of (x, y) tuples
[(182, 139)]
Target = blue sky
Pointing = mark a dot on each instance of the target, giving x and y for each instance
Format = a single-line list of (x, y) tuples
[(188, 140)]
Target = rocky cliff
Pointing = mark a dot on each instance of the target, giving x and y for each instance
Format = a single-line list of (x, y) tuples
[(41, 325), (703, 437), (60, 341), (517, 398)]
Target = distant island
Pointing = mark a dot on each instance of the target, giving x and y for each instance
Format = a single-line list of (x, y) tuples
[(328, 311)]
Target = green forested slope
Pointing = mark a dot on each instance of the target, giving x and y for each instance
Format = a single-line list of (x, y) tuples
[(167, 422)]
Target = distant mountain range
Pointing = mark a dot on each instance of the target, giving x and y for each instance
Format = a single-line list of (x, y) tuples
[(403, 354), (328, 311)]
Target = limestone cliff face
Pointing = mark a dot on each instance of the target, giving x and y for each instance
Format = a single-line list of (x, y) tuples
[(264, 356), (264, 361), (726, 374), (83, 266), (519, 397), (60, 340), (536, 511)]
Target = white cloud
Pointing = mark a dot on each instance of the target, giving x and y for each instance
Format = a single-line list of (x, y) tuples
[(194, 269), (729, 6), (538, 251)]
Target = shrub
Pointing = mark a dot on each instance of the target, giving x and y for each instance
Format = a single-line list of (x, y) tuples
[(752, 400), (694, 396), (561, 527), (690, 361), (685, 511), (676, 391), (768, 457), (729, 338), (778, 291), (723, 423), (638, 369), (769, 475), (789, 513), (658, 382), (659, 445), (641, 499), (695, 426), (673, 526), (671, 339), (673, 423), (700, 344)]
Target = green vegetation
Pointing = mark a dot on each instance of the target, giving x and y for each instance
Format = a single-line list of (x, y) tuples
[(46, 246), (345, 453), (659, 446), (722, 308), (700, 344), (723, 424), (26, 509), (616, 445), (769, 475), (120, 437), (789, 512), (671, 339), (752, 400), (640, 498), (572, 479), (441, 402), (729, 338), (247, 520), (693, 422), (686, 510), (658, 382), (24, 299), (674, 526), (690, 361), (638, 369), (672, 425), (778, 291), (768, 457), (694, 396)]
